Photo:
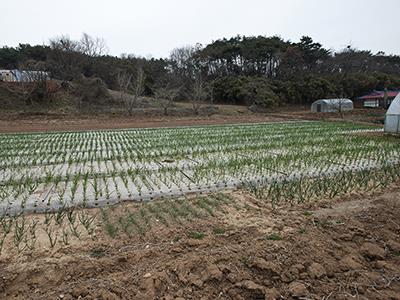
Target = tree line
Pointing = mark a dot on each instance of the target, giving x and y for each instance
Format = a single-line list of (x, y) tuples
[(257, 71)]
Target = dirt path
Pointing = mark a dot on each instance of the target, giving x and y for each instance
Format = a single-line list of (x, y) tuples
[(348, 248)]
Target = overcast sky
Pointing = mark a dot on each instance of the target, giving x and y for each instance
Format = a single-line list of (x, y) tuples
[(155, 27)]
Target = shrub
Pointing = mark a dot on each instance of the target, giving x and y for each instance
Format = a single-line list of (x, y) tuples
[(91, 90)]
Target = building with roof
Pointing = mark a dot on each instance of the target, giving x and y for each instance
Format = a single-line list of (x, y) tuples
[(332, 105), (376, 99), (392, 117), (23, 76), (7, 76)]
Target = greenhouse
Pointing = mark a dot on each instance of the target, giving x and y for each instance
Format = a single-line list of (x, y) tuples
[(332, 105), (392, 118)]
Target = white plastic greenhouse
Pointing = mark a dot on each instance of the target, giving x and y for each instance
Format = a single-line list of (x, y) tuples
[(392, 118), (332, 105)]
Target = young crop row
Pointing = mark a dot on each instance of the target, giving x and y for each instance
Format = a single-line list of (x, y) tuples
[(41, 172), (301, 189), (22, 233)]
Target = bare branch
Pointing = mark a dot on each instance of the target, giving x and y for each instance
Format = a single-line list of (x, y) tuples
[(199, 93), (166, 95), (131, 90), (92, 46)]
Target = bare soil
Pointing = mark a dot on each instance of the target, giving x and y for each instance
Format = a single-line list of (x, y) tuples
[(346, 248), (227, 114), (59, 123)]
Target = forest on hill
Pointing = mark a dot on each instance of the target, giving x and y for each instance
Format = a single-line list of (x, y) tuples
[(256, 71)]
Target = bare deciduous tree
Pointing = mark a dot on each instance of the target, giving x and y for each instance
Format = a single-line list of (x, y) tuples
[(64, 43), (68, 56), (339, 105), (92, 46), (65, 58), (167, 96), (124, 80), (198, 94), (131, 88), (138, 83), (183, 60)]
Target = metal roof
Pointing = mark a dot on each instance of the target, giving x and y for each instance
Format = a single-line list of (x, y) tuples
[(379, 94)]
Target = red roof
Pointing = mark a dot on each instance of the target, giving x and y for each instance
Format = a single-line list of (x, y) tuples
[(379, 94)]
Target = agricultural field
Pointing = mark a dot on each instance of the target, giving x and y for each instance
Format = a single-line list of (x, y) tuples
[(293, 161), (262, 211)]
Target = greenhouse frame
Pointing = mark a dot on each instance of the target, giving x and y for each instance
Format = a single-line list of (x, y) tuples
[(332, 105), (392, 118)]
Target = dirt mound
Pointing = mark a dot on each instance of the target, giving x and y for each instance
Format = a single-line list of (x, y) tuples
[(341, 249)]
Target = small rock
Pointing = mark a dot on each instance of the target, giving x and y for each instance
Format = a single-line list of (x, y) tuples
[(147, 290), (381, 264), (361, 289), (331, 268), (179, 294), (147, 275), (394, 246), (299, 267), (297, 289), (272, 294), (373, 276), (316, 271), (193, 242), (160, 277), (346, 237), (80, 292), (106, 295), (195, 280), (250, 285), (271, 267), (183, 277), (122, 259), (349, 263), (372, 251), (290, 275), (212, 272), (303, 276), (177, 249), (234, 295), (61, 296), (198, 283), (147, 283)]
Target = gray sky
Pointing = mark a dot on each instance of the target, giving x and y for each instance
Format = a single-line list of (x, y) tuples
[(155, 27)]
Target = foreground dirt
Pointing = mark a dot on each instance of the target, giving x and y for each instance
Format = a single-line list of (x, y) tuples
[(342, 249)]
